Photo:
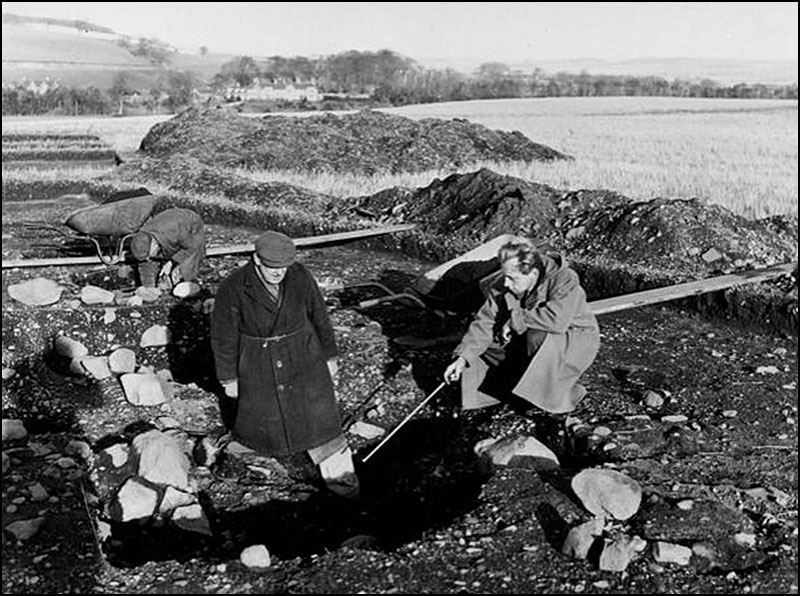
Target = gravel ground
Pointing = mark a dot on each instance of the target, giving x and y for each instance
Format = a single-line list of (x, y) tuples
[(429, 520)]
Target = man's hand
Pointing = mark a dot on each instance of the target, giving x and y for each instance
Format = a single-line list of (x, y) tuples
[(333, 368), (506, 332), (231, 388), (455, 370)]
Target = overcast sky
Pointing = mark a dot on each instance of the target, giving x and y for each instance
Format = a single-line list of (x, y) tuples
[(502, 31)]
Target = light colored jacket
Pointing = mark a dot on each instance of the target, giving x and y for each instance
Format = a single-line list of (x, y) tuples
[(561, 336)]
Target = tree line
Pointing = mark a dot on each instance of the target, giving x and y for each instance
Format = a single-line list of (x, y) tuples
[(385, 76), (392, 79)]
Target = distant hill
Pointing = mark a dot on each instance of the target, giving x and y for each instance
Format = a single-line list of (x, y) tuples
[(722, 71), (78, 53)]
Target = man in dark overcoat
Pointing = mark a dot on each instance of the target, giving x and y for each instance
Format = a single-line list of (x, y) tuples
[(171, 245), (275, 353), (532, 339)]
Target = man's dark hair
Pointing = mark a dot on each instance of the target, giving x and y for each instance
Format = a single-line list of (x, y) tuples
[(522, 249)]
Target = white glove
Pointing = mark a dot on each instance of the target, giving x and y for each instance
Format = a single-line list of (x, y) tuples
[(333, 368), (231, 388)]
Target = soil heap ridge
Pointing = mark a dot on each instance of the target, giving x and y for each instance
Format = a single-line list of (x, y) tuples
[(687, 237), (190, 176), (366, 142)]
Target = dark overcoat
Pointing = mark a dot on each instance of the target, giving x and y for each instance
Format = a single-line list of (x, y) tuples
[(555, 339), (180, 234), (286, 401)]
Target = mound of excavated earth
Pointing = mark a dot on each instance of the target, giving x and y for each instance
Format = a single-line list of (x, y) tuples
[(366, 142), (689, 237), (617, 245), (190, 176)]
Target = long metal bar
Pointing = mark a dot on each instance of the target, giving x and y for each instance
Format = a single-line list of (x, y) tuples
[(406, 419)]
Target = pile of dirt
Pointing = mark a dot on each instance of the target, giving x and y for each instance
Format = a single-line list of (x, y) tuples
[(190, 176), (366, 142), (685, 237)]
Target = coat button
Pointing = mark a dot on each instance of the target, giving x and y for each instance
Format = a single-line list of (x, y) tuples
[(280, 387), (278, 363)]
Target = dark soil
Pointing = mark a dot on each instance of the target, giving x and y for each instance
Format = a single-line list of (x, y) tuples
[(367, 142), (431, 520)]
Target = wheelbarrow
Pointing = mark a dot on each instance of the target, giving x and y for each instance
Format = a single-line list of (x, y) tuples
[(111, 222)]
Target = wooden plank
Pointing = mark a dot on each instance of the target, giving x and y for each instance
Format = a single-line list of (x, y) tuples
[(481, 254), (317, 241), (692, 288), (304, 242)]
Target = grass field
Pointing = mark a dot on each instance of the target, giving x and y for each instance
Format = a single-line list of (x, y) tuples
[(741, 154)]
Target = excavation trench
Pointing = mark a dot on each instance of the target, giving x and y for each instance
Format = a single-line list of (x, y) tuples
[(425, 480)]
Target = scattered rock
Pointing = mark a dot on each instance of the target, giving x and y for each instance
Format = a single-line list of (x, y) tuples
[(711, 255), (580, 539), (619, 552), (143, 389), (191, 518), (668, 552), (25, 529), (13, 429), (122, 360), (256, 557), (608, 492), (366, 430), (36, 292), (135, 501), (96, 366), (186, 289), (145, 294), (155, 336), (109, 316), (162, 459), (516, 450), (69, 348), (95, 295)]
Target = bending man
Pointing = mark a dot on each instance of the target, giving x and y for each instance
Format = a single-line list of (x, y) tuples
[(275, 353), (169, 248), (531, 340)]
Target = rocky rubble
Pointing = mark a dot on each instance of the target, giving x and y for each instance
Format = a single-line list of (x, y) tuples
[(678, 473), (449, 504)]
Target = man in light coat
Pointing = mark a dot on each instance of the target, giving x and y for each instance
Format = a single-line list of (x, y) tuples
[(531, 340), (275, 353)]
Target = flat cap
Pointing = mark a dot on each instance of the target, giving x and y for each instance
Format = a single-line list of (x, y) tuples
[(275, 250)]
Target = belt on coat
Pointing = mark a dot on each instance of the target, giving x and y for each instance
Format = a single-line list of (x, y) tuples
[(273, 338)]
